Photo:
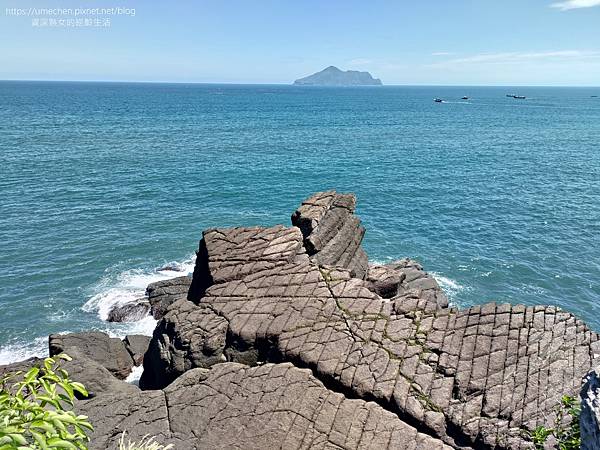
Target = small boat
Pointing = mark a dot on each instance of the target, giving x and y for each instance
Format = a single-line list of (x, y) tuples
[(438, 100), (465, 98), (594, 96), (519, 97)]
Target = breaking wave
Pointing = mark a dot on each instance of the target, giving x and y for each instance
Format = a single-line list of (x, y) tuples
[(128, 286)]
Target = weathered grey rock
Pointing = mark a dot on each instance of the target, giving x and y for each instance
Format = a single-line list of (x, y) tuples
[(188, 336), (137, 345), (332, 233), (95, 377), (129, 312), (590, 411), (471, 377), (236, 406), (138, 413), (106, 351), (405, 278), (163, 293), (227, 254)]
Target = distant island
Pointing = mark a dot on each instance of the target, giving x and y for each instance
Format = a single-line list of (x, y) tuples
[(332, 76)]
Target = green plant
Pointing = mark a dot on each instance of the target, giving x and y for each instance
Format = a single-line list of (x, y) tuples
[(566, 427), (35, 409), (147, 443)]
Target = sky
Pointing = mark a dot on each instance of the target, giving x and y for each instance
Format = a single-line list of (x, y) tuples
[(423, 42)]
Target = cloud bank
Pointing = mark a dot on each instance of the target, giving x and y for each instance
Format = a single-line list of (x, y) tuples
[(575, 4), (520, 57)]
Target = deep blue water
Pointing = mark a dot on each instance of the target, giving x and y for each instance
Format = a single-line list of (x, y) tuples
[(103, 183)]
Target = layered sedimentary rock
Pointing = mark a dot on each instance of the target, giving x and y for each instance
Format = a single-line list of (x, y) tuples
[(332, 233), (472, 378), (590, 411), (236, 406), (229, 254)]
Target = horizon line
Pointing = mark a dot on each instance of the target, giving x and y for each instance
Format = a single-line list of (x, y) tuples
[(33, 80)]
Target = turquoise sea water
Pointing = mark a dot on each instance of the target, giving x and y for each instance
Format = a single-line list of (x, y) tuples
[(101, 184)]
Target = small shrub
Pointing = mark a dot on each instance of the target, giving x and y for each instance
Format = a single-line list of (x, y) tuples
[(35, 409), (147, 443), (566, 427)]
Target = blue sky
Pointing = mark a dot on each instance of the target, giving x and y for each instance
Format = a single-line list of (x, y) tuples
[(468, 42)]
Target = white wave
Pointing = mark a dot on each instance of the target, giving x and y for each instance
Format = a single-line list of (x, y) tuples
[(379, 262), (20, 351), (145, 327), (130, 285), (135, 375), (451, 288)]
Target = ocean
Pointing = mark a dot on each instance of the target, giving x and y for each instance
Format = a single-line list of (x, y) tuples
[(102, 184)]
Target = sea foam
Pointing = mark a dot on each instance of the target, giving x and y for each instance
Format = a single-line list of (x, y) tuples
[(128, 286), (19, 351)]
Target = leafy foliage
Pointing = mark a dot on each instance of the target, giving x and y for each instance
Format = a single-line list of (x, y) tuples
[(147, 443), (566, 427), (35, 409)]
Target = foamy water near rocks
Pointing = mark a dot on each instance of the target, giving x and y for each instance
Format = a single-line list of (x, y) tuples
[(287, 338)]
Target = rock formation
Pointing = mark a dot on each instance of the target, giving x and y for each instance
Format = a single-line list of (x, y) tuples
[(332, 76), (405, 278), (236, 406), (332, 233), (110, 353), (288, 339), (162, 293), (129, 312)]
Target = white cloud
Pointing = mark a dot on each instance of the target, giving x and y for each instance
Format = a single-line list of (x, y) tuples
[(575, 4), (442, 54), (521, 57)]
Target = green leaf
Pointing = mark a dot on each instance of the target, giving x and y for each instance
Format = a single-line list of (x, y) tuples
[(60, 443), (32, 374), (40, 439), (65, 357), (43, 425), (18, 438), (80, 388)]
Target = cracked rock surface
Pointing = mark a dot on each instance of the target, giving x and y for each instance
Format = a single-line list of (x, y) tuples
[(332, 233), (165, 292), (405, 278), (471, 378), (236, 406)]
